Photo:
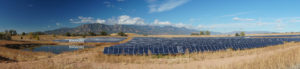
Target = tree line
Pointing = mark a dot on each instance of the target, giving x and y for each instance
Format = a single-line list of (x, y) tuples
[(202, 33), (240, 34)]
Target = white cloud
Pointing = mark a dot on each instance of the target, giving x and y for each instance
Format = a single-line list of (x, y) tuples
[(279, 20), (181, 25), (236, 14), (241, 26), (294, 20), (168, 23), (57, 24), (242, 19), (279, 27), (82, 19), (164, 23), (125, 19), (100, 21), (164, 6), (120, 0), (108, 4)]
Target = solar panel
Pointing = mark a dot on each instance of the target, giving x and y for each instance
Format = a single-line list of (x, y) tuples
[(142, 45)]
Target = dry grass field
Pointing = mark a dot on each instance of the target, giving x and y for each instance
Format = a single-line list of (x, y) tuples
[(271, 57)]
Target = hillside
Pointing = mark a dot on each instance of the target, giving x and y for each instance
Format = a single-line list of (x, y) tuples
[(139, 29)]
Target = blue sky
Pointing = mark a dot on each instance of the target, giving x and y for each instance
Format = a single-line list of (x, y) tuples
[(214, 15)]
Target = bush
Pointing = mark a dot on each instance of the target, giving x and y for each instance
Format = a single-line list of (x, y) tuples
[(122, 34), (54, 35), (194, 34), (84, 35), (11, 32), (201, 33), (68, 34), (237, 34), (92, 34), (36, 36), (5, 36), (38, 33), (75, 34), (242, 34), (23, 33), (103, 33), (207, 32)]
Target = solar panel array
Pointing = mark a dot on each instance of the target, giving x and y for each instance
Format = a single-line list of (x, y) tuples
[(154, 45), (278, 36), (97, 39)]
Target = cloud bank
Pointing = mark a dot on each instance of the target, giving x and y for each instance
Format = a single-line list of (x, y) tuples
[(242, 19), (127, 20), (165, 5)]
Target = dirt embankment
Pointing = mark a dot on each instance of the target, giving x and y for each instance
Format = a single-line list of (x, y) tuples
[(9, 49)]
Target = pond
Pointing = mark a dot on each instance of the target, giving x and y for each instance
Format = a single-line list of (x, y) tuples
[(95, 39), (56, 49)]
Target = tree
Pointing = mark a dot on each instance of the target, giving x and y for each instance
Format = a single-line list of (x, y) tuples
[(242, 34), (36, 36), (53, 35), (122, 34), (23, 33), (68, 34), (30, 35), (201, 33), (84, 35), (237, 34), (11, 32), (74, 34), (207, 32), (103, 33), (39, 33), (4, 36), (195, 34), (92, 34)]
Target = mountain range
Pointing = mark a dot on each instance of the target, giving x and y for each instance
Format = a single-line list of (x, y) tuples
[(139, 29)]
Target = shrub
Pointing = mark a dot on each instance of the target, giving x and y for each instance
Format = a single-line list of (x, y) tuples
[(54, 35), (36, 36), (103, 33), (207, 32), (122, 34), (92, 34), (194, 34), (201, 33), (237, 34), (242, 34), (84, 35), (74, 34), (68, 34), (23, 33), (5, 36), (11, 32)]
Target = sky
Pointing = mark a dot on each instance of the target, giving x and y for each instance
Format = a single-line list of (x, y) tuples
[(213, 15)]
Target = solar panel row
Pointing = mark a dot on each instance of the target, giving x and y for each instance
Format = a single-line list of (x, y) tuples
[(278, 36), (146, 45)]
